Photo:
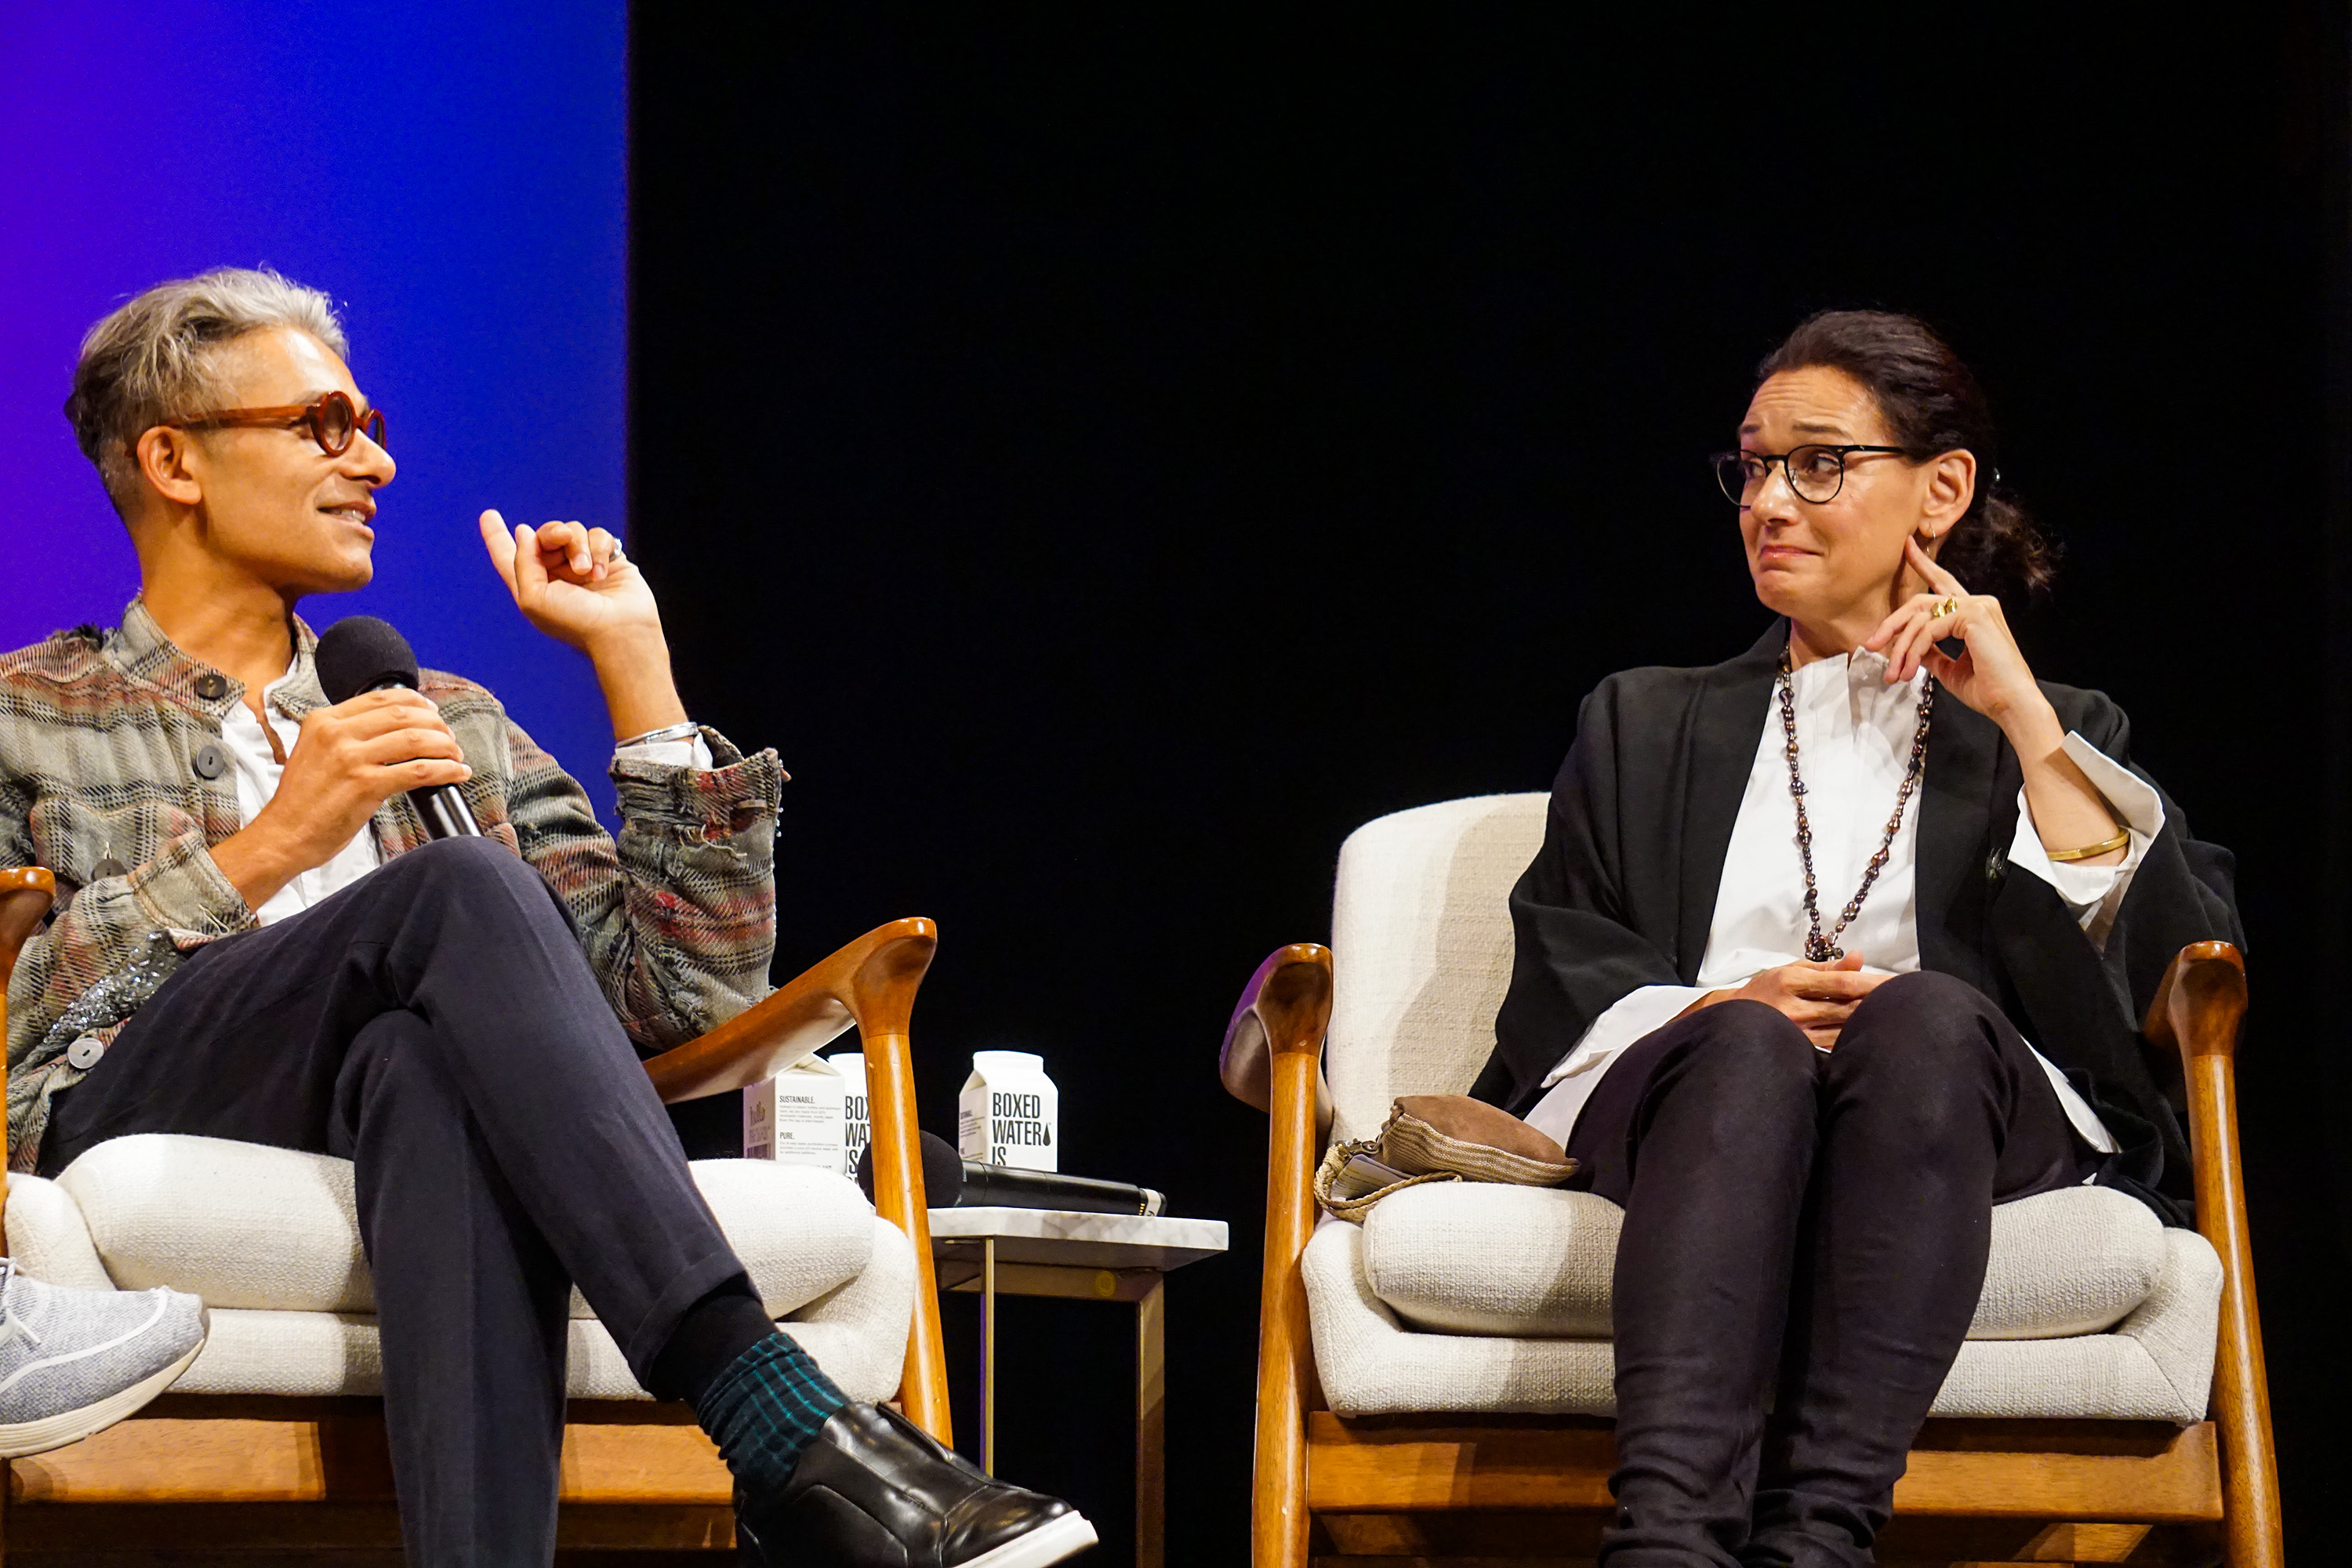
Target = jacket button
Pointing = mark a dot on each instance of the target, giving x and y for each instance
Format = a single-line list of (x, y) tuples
[(109, 867), (83, 1054), (211, 686), (210, 762)]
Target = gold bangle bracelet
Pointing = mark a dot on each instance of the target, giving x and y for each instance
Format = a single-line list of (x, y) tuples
[(2120, 841)]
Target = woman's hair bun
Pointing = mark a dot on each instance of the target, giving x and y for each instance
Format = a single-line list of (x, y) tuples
[(1932, 403)]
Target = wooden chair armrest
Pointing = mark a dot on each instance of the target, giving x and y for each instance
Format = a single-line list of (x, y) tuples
[(25, 894), (870, 984), (2195, 1013), (2199, 1003), (1285, 1007), (1277, 1035), (1272, 1058), (874, 977)]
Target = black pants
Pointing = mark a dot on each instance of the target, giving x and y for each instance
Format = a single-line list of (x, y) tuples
[(437, 1024), (1805, 1231)]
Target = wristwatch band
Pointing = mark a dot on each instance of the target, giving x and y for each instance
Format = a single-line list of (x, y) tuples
[(686, 731)]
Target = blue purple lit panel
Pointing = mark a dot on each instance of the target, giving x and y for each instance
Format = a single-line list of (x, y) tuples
[(454, 174)]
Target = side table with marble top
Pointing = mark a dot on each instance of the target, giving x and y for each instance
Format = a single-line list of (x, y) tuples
[(992, 1252)]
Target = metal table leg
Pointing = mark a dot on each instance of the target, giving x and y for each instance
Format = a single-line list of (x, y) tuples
[(1147, 1290), (988, 1356), (1152, 1425)]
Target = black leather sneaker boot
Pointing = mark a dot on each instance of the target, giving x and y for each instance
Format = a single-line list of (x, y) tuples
[(875, 1491)]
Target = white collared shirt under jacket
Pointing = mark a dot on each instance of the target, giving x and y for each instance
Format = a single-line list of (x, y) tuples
[(1854, 744), (258, 772)]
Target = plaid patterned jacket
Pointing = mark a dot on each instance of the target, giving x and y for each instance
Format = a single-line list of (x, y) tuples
[(100, 743)]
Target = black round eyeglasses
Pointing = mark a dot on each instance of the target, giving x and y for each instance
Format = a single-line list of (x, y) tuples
[(1816, 473)]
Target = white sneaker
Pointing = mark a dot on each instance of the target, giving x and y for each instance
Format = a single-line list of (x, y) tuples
[(73, 1363)]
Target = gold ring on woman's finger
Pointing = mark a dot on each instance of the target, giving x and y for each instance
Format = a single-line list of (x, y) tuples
[(1946, 606)]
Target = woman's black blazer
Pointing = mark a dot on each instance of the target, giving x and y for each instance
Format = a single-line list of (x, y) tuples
[(1622, 893)]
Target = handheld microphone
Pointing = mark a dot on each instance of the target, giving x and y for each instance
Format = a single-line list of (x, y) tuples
[(951, 1181), (360, 654), (942, 1173)]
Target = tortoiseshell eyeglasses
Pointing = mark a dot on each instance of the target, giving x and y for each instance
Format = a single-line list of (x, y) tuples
[(332, 421)]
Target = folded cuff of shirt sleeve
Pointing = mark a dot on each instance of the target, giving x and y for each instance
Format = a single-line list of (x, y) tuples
[(1630, 1018), (689, 753), (2133, 800), (184, 893), (720, 796)]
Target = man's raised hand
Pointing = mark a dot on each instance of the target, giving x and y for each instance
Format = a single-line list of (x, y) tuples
[(574, 583), (577, 585)]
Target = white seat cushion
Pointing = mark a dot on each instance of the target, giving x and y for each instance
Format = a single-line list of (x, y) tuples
[(249, 1227), (856, 1330), (2076, 1261), (1476, 1257), (2155, 1366)]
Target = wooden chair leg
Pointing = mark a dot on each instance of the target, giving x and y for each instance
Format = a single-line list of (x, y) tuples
[(1278, 1516), (898, 1198), (2253, 1527)]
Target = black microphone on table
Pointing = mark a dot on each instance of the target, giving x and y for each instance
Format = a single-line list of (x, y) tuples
[(360, 654), (951, 1181)]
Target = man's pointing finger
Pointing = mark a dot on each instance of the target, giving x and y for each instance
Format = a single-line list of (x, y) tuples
[(501, 544)]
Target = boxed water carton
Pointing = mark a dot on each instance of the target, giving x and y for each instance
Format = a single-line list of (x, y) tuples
[(799, 1117), (1010, 1113), (857, 1117)]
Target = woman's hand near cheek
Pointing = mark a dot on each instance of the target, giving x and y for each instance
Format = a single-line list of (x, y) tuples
[(1991, 677), (1991, 674)]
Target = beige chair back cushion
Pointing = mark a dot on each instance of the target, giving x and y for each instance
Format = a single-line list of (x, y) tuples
[(1421, 942)]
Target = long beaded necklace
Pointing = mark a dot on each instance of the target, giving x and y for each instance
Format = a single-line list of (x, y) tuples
[(1824, 948)]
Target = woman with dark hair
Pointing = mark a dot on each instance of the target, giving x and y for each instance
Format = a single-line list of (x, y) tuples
[(1795, 921)]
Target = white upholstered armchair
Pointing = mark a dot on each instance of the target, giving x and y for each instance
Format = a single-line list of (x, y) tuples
[(1435, 1383), (273, 1440)]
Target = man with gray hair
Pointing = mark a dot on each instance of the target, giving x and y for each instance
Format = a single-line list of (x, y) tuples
[(257, 939)]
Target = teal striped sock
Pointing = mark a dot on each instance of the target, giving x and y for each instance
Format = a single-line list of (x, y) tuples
[(765, 1410)]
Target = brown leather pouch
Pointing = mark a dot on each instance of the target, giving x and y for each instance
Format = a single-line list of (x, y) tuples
[(1437, 1137)]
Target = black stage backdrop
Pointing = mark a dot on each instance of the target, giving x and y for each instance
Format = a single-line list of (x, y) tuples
[(1113, 458)]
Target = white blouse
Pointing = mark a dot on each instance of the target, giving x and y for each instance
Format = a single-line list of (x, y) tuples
[(1854, 742)]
